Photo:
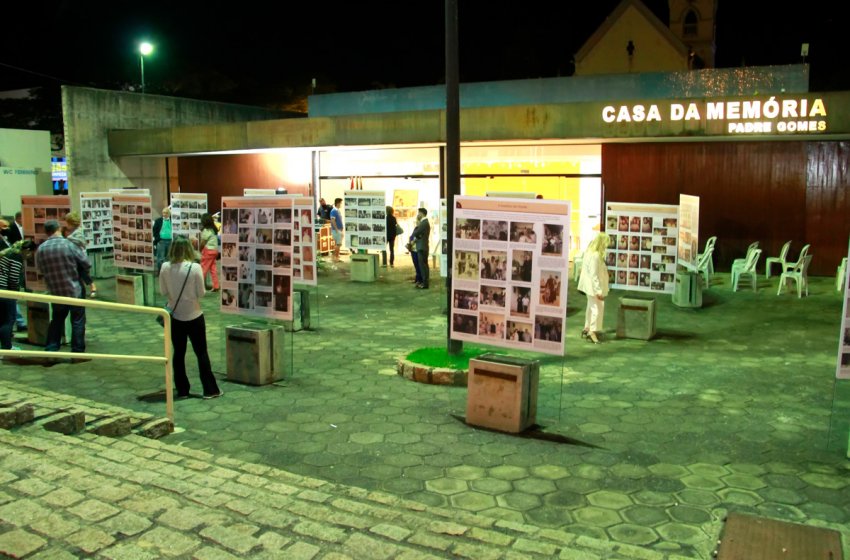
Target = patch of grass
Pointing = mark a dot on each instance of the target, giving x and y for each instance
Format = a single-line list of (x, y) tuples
[(433, 356)]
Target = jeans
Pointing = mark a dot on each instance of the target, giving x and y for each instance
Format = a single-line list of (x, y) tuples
[(59, 312), (8, 307), (415, 258), (424, 271), (161, 254), (196, 331)]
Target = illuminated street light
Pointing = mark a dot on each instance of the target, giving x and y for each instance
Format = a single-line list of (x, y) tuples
[(144, 50)]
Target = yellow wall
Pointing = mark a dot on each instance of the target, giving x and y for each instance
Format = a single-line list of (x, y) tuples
[(653, 52), (553, 188)]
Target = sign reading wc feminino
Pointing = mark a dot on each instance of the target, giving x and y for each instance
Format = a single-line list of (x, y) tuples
[(755, 116)]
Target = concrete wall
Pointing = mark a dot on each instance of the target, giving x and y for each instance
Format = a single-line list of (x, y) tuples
[(727, 82), (89, 114), (24, 166)]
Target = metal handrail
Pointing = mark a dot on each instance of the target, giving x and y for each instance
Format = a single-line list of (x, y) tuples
[(79, 302)]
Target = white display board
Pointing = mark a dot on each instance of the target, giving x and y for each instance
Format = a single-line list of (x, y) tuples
[(405, 207), (509, 284), (688, 231), (186, 212), (35, 210), (257, 256), (842, 371), (132, 229), (365, 220), (642, 248), (96, 218), (303, 241)]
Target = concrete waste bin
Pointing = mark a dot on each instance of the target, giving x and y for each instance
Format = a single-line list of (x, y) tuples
[(129, 289), (687, 291), (255, 353), (636, 318), (300, 311), (502, 392), (364, 267)]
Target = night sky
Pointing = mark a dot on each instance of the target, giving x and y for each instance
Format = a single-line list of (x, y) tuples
[(250, 53)]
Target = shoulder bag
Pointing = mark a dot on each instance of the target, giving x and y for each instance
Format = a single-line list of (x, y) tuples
[(159, 318)]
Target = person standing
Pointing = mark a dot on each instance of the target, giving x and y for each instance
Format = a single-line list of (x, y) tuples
[(60, 261), (323, 211), (593, 283), (12, 279), (74, 233), (336, 227), (392, 227), (161, 238), (182, 282), (13, 234), (209, 250), (421, 237)]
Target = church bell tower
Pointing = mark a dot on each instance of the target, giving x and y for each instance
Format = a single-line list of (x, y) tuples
[(693, 22)]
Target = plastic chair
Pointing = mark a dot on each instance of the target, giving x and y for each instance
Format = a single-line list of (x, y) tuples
[(739, 263), (709, 248), (748, 269), (840, 274), (577, 260), (781, 260), (800, 275), (803, 252), (704, 266)]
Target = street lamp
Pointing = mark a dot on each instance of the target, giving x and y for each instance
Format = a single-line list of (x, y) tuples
[(144, 50)]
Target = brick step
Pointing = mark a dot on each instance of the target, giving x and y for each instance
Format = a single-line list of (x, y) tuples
[(71, 415), (134, 497)]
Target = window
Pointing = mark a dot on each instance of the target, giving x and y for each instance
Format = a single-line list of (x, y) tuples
[(691, 25)]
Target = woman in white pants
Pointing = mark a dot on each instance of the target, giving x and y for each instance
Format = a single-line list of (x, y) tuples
[(593, 283)]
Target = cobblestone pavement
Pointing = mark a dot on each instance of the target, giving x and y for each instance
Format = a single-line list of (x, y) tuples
[(728, 409)]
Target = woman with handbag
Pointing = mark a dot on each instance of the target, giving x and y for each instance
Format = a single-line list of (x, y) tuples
[(182, 282), (209, 249)]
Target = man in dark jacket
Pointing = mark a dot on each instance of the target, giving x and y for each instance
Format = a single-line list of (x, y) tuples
[(421, 236)]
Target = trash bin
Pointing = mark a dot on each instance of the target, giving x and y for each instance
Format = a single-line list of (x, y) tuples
[(687, 290), (364, 267), (636, 318), (129, 289), (300, 311), (255, 353), (103, 265), (502, 392), (38, 319)]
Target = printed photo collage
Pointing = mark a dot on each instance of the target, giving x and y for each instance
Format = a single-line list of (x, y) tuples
[(186, 212), (365, 220), (132, 227), (508, 276), (688, 246), (642, 247), (257, 256), (35, 211), (303, 243), (96, 220)]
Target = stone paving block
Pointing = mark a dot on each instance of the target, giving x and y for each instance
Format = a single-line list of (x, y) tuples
[(113, 493), (93, 510), (126, 524), (271, 540), (22, 512), (53, 553), (130, 551), (490, 537), (31, 487), (116, 426), (475, 552), (67, 423), (535, 547), (230, 538), (90, 539), (155, 429), (63, 497), (301, 551), (319, 531), (167, 542), (210, 553), (182, 518), (18, 543), (364, 546), (393, 532)]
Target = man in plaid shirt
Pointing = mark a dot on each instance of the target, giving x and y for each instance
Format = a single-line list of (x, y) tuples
[(59, 261)]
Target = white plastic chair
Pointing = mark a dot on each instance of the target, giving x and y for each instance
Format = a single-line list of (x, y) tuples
[(704, 266), (577, 260), (740, 263), (709, 248), (800, 275), (748, 269), (791, 265), (840, 274), (781, 260)]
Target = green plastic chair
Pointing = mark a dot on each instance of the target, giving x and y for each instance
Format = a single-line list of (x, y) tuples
[(740, 263)]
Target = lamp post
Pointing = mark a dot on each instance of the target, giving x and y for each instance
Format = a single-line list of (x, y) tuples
[(144, 50)]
